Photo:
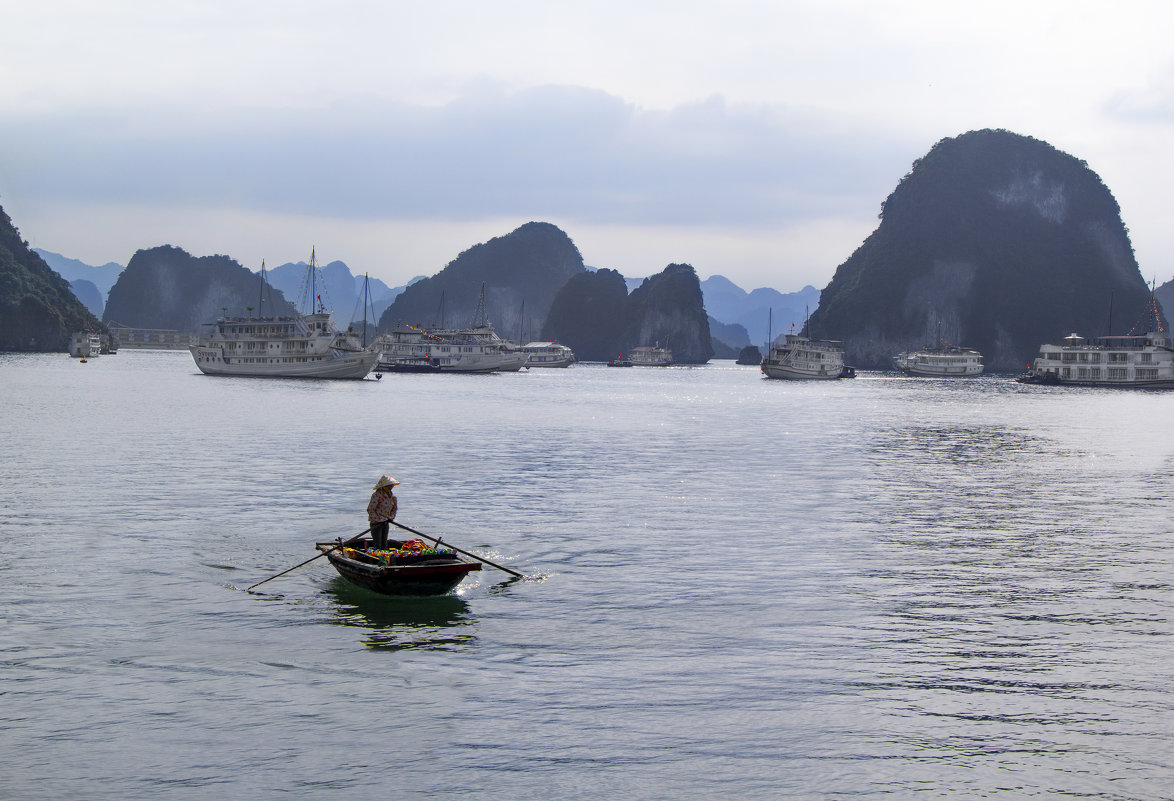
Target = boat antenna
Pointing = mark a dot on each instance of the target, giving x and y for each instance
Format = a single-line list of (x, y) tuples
[(1110, 314), (479, 316), (522, 322), (438, 321), (261, 292), (769, 320), (365, 281)]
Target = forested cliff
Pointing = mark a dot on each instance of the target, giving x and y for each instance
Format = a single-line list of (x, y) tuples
[(38, 311), (596, 317), (1002, 241), (521, 272), (167, 287)]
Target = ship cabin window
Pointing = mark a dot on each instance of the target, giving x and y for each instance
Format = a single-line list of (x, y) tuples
[(1118, 373), (1052, 356), (1147, 373), (1069, 357), (1147, 358), (1065, 372), (1083, 357), (1096, 358)]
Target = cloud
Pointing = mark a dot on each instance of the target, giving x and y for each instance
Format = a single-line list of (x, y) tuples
[(551, 151)]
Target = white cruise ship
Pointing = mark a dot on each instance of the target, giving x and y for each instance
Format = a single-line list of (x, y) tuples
[(302, 346), (1146, 360), (650, 356), (548, 354), (411, 349), (942, 362), (306, 346), (801, 358)]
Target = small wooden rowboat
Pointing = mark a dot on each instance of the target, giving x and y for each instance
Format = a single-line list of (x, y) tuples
[(430, 574)]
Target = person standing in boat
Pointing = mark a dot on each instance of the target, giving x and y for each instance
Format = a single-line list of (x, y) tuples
[(381, 511)]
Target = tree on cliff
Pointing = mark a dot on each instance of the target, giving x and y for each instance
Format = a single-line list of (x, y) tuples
[(38, 311), (1002, 241), (523, 268), (166, 287)]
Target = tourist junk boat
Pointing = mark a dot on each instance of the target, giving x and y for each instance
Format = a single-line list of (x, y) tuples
[(411, 349), (799, 357), (476, 349), (651, 356), (400, 571), (548, 354), (941, 362), (302, 346), (1141, 360), (1146, 360), (84, 344)]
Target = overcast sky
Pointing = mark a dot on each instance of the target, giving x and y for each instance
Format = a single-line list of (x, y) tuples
[(755, 140)]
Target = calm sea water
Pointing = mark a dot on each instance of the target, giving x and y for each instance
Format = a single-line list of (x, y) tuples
[(736, 588)]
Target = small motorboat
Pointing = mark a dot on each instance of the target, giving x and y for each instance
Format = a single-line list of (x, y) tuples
[(405, 568)]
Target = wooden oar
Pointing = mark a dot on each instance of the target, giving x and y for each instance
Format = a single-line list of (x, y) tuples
[(458, 550), (311, 559)]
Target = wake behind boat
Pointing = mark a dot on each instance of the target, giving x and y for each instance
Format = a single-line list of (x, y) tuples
[(302, 346)]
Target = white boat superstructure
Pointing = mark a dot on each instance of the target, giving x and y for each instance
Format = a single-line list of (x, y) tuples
[(298, 346), (479, 349), (305, 346), (85, 344), (650, 356), (944, 362), (801, 358), (1146, 360), (548, 354)]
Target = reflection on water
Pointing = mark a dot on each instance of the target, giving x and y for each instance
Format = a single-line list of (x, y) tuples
[(394, 623)]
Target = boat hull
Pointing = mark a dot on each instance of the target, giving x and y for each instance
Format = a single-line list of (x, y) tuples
[(427, 578), (793, 373), (211, 361), (941, 372)]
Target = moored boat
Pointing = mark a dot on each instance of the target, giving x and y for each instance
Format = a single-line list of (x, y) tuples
[(405, 568), (651, 356), (1145, 360), (85, 344), (801, 358), (301, 346), (619, 361), (411, 349), (940, 362), (548, 354)]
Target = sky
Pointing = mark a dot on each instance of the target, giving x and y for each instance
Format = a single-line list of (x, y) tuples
[(755, 140)]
